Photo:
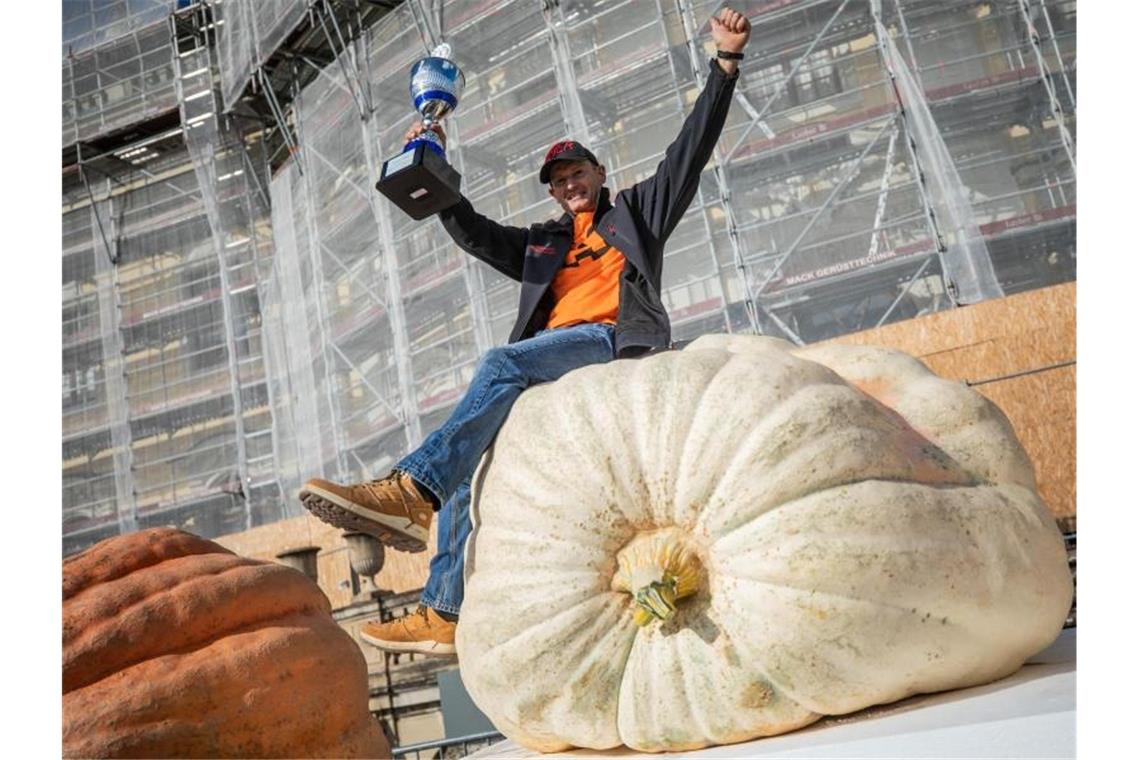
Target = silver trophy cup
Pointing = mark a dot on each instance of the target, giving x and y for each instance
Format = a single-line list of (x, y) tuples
[(419, 180)]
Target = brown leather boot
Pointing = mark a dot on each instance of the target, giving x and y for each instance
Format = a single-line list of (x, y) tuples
[(392, 509), (422, 631)]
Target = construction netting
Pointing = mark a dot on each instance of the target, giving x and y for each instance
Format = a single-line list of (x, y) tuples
[(127, 79), (166, 414), (92, 23), (882, 159), (837, 199), (248, 31)]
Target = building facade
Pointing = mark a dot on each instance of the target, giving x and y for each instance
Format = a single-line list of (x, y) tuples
[(242, 310)]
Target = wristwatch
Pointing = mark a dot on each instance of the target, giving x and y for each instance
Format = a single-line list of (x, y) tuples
[(730, 56)]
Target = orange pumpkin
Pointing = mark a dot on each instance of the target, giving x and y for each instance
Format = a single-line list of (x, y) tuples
[(175, 647)]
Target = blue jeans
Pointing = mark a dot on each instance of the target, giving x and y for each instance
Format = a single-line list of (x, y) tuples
[(446, 460)]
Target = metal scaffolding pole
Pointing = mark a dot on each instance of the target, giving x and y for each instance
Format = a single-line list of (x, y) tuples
[(318, 295), (787, 78), (901, 115), (884, 190), (686, 14), (835, 191), (363, 102), (1050, 91), (1057, 52), (906, 289), (91, 199), (699, 198), (269, 358), (114, 372), (257, 183), (401, 346), (876, 9), (279, 115), (421, 15), (572, 113), (203, 147), (368, 288)]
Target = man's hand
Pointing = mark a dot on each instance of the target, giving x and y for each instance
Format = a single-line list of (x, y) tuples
[(418, 129), (730, 32)]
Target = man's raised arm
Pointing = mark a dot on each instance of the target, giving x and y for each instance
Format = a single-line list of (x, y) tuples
[(664, 197)]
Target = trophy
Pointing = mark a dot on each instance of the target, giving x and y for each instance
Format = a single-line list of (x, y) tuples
[(419, 180)]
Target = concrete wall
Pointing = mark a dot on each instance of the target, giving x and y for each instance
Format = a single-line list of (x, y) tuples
[(401, 571)]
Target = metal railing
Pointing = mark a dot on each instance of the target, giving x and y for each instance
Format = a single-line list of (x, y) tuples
[(456, 747), (1071, 550)]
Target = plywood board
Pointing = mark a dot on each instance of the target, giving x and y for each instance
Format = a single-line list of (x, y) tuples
[(1047, 346), (1042, 410), (1019, 352), (1046, 308)]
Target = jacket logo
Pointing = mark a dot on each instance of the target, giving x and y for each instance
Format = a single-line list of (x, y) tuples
[(584, 251), (539, 250)]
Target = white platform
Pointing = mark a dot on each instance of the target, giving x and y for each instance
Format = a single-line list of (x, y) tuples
[(1032, 713)]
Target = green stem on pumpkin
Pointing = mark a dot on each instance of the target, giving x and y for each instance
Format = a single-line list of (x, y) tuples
[(656, 600), (657, 569)]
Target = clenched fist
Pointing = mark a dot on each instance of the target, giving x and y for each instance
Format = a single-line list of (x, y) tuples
[(730, 31)]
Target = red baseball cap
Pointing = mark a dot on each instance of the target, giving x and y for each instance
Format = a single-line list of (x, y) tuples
[(565, 150)]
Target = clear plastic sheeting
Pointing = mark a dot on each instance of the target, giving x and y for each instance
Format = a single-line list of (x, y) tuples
[(128, 79), (91, 23), (817, 213), (70, 135), (244, 335), (96, 471), (241, 240), (354, 309), (965, 260), (982, 84), (248, 31), (114, 375), (166, 415), (303, 436)]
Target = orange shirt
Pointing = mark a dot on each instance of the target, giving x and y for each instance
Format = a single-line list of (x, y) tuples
[(586, 287)]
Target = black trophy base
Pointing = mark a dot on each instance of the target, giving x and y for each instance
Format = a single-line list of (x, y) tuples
[(420, 182)]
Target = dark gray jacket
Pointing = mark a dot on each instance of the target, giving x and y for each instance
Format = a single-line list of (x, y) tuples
[(637, 223)]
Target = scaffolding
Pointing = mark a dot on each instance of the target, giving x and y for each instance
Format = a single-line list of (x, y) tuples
[(248, 33), (129, 78), (242, 311), (166, 417)]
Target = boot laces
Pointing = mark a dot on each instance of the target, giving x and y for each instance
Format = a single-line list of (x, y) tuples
[(381, 488), (417, 619)]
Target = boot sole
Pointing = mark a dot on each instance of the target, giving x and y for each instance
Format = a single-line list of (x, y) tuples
[(421, 647), (330, 508)]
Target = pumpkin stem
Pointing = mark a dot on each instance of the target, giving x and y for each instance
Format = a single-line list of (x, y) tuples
[(657, 569), (658, 599)]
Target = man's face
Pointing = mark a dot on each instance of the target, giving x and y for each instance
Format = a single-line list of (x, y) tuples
[(576, 184)]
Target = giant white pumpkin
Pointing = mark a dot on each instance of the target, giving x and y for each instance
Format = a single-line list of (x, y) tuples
[(733, 540)]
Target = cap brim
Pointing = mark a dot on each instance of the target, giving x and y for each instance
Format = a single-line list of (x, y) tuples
[(544, 172)]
